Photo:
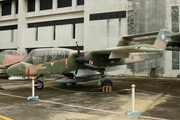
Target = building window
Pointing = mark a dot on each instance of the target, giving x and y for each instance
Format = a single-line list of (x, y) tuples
[(175, 28), (74, 31), (17, 6), (64, 3), (175, 18), (175, 60), (80, 2), (109, 15), (54, 35), (45, 4), (6, 8), (10, 27), (131, 28), (31, 5), (36, 33)]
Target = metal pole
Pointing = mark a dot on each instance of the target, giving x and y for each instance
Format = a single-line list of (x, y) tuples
[(32, 87), (133, 103), (133, 97), (33, 92), (28, 73)]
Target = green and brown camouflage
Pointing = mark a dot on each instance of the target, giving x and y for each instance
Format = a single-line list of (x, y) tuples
[(63, 61)]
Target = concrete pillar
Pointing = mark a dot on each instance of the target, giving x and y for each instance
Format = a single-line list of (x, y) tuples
[(37, 7), (22, 25), (54, 6), (74, 5), (13, 8)]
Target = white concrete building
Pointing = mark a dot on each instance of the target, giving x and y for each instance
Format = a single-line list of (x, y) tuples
[(95, 24)]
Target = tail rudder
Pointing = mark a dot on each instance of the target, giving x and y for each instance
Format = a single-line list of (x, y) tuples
[(162, 38)]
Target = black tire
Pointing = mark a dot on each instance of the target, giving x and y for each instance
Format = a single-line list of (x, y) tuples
[(73, 83), (152, 73), (107, 83), (178, 76), (64, 84), (39, 85)]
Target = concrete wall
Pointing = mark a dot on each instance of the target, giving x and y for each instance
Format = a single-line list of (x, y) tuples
[(45, 36), (104, 33), (79, 35), (8, 39)]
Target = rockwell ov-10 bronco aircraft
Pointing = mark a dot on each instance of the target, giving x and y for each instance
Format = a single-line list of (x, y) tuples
[(9, 57), (81, 66)]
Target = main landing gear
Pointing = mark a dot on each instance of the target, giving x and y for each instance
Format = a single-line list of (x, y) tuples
[(104, 82), (39, 85), (107, 83)]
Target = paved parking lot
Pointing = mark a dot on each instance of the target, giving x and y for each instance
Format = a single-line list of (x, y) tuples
[(86, 101)]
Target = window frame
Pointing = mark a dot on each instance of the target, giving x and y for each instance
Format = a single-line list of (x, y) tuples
[(46, 4), (6, 6), (64, 3), (31, 5)]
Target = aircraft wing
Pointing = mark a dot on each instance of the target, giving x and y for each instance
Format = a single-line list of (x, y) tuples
[(123, 51)]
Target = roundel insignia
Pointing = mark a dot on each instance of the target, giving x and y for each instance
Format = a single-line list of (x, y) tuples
[(132, 58)]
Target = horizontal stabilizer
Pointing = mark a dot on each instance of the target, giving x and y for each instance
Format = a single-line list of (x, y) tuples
[(140, 35)]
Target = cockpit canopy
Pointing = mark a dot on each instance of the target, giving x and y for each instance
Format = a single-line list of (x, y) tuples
[(12, 52), (8, 57), (38, 56)]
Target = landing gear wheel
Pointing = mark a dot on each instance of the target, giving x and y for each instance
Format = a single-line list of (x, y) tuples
[(73, 83), (39, 85), (107, 83)]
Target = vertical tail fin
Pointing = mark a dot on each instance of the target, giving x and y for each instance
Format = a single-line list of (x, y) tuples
[(160, 41), (162, 38)]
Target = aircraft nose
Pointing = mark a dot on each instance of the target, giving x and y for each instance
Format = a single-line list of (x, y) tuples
[(15, 70)]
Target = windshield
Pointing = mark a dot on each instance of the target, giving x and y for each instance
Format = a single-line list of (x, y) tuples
[(30, 58)]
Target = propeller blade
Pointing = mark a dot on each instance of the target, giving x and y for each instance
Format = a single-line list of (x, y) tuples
[(79, 54), (76, 71)]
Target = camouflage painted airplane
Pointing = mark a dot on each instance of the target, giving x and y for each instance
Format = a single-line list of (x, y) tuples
[(8, 58), (82, 66)]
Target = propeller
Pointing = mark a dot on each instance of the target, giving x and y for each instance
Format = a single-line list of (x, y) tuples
[(80, 60)]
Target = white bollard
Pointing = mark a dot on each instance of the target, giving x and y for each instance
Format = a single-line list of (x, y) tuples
[(133, 96), (33, 92), (32, 87), (133, 103)]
